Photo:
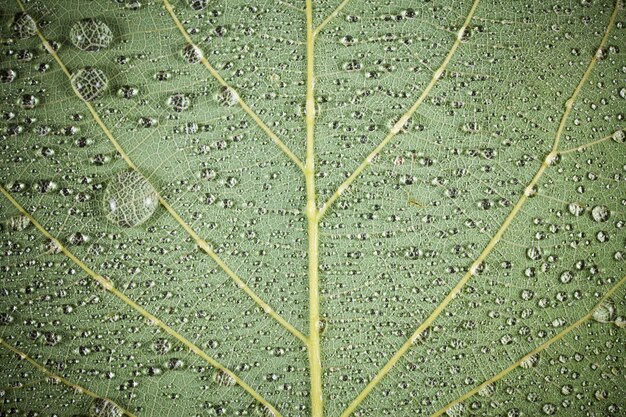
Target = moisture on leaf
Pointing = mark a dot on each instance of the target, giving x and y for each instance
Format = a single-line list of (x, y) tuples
[(89, 83), (90, 34), (23, 26), (129, 199)]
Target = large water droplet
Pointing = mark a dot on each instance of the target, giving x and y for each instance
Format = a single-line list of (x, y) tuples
[(23, 26), (600, 213), (129, 199), (191, 54), (530, 362), (89, 83), (104, 408), (604, 312), (90, 35)]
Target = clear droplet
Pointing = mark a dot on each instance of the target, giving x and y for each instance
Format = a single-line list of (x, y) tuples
[(575, 209), (7, 76), (600, 213), (191, 54), (90, 35), (530, 362), (605, 312), (23, 26), (89, 83), (227, 97), (178, 102), (104, 408), (197, 5), (129, 200), (224, 379)]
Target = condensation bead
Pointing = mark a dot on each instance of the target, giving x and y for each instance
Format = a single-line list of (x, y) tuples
[(178, 102), (605, 312), (198, 4), (600, 213), (530, 362), (129, 200), (224, 379), (7, 76), (90, 35), (23, 26), (89, 83), (191, 54), (104, 408)]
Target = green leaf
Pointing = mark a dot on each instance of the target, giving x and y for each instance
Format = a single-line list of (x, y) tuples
[(299, 208)]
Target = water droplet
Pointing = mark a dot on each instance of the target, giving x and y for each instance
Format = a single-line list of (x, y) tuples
[(534, 253), (129, 200), (604, 312), (191, 54), (227, 97), (566, 277), (89, 83), (7, 76), (619, 136), (27, 101), (178, 102), (530, 362), (90, 35), (224, 379), (127, 92), (600, 213), (487, 390), (18, 223), (104, 408), (197, 5), (455, 410), (23, 26), (575, 209)]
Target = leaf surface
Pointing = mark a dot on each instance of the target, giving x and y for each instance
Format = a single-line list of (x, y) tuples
[(312, 208)]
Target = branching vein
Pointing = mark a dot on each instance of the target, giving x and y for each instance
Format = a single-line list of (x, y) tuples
[(404, 119), (202, 244), (529, 191), (532, 353), (283, 147), (65, 381), (109, 286)]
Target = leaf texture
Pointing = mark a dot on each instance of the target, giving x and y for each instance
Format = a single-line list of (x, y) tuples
[(313, 208)]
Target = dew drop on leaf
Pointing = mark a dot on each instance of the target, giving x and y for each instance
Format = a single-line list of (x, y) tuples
[(178, 102), (104, 408), (129, 200), (604, 312), (7, 76), (191, 54), (90, 35), (575, 209), (23, 26), (530, 362), (89, 83), (224, 379), (600, 213), (227, 97), (197, 5)]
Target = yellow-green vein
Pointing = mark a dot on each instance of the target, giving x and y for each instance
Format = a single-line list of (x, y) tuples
[(330, 17), (79, 389), (569, 103), (108, 286), (315, 361), (283, 147), (399, 125), (202, 244), (532, 353), (529, 191)]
